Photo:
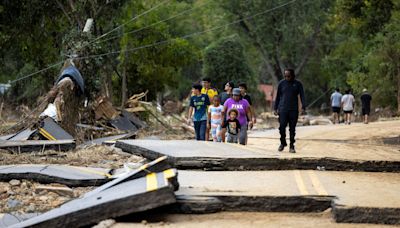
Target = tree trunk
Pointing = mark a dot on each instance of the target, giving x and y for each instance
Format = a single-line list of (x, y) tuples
[(398, 91), (123, 89)]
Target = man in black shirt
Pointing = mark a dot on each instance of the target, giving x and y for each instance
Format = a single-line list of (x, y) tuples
[(366, 105), (287, 107)]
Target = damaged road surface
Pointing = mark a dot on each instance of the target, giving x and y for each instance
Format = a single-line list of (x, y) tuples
[(71, 176), (37, 145), (152, 191), (356, 197), (185, 154), (75, 176)]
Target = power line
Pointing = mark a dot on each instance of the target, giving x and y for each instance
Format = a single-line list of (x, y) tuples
[(56, 64), (160, 42), (189, 35), (151, 25), (312, 103), (132, 19), (37, 72)]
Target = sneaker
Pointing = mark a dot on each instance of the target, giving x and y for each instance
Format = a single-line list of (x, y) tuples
[(292, 150), (281, 147)]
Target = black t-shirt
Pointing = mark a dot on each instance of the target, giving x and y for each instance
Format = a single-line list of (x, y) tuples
[(233, 126), (287, 96), (366, 101), (224, 96), (248, 98)]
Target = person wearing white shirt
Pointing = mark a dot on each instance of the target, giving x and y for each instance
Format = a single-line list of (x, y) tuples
[(348, 106)]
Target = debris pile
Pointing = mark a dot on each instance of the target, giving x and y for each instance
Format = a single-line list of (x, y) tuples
[(150, 186), (23, 196)]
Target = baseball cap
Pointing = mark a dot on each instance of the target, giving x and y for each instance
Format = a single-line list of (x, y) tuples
[(236, 91)]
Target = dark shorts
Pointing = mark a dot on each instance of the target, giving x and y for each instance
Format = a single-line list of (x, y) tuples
[(336, 109), (351, 111), (365, 111)]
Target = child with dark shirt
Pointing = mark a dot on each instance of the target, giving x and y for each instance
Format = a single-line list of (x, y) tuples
[(233, 126)]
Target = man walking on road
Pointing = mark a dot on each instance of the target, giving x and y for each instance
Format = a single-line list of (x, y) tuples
[(365, 105), (287, 107), (198, 103), (336, 100), (348, 106)]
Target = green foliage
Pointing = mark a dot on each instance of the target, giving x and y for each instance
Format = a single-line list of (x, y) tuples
[(284, 37), (369, 56), (158, 67), (340, 43), (224, 60)]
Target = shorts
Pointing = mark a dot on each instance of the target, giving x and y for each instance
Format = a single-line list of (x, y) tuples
[(365, 111), (348, 112), (232, 138), (336, 109)]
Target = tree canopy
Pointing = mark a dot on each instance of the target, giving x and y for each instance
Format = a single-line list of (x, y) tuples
[(165, 45)]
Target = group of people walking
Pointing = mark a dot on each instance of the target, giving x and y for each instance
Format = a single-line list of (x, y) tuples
[(346, 103), (229, 115)]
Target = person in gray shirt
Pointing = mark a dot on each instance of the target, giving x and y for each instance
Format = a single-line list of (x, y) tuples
[(336, 100)]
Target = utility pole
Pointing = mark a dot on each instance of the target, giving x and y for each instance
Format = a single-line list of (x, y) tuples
[(123, 89)]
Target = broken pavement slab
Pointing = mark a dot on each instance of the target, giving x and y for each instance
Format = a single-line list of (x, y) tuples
[(134, 119), (37, 145), (356, 197), (22, 135), (133, 196), (7, 220), (110, 140), (154, 166), (6, 137), (52, 131), (123, 123), (71, 176), (185, 154)]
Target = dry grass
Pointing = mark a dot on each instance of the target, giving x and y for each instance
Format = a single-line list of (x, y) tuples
[(94, 156)]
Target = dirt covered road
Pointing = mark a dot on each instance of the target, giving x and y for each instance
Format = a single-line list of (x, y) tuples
[(374, 141)]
